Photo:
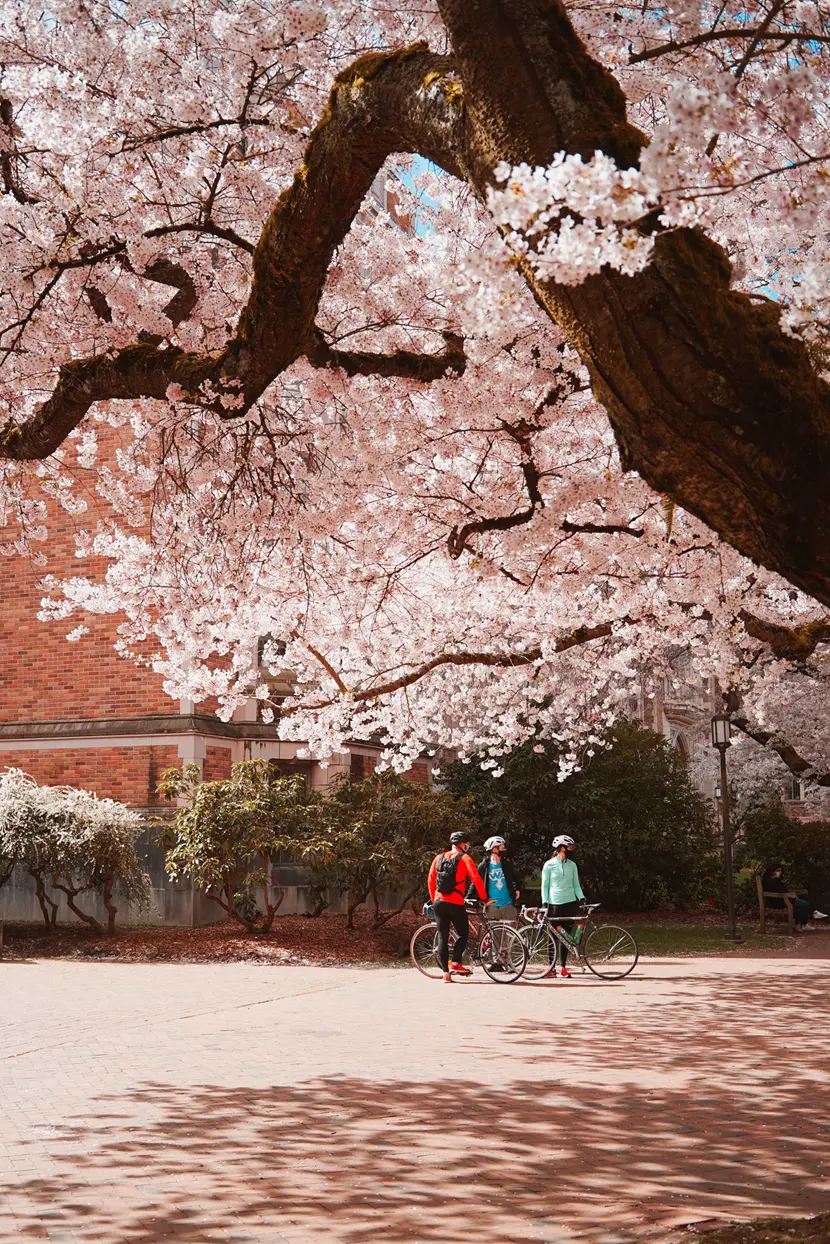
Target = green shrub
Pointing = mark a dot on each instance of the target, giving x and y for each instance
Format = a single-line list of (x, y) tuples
[(70, 840), (379, 833), (767, 835), (226, 836)]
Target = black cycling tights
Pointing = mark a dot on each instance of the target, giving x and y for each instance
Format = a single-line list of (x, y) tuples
[(447, 914), (562, 909)]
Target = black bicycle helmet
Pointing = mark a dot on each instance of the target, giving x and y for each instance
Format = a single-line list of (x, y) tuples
[(458, 836)]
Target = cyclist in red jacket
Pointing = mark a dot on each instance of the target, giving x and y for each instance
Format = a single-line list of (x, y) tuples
[(450, 874)]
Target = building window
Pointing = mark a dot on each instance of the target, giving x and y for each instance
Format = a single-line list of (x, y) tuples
[(277, 645), (794, 791), (361, 767)]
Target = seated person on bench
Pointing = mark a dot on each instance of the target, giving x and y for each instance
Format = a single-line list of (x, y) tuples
[(774, 881)]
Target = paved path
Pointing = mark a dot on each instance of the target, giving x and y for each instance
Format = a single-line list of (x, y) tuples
[(265, 1105)]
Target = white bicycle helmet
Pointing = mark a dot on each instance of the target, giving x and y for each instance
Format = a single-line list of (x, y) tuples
[(491, 843), (563, 840)]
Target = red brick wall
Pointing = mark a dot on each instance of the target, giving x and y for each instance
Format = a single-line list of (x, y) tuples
[(217, 764), (42, 676), (361, 767), (364, 766), (125, 773)]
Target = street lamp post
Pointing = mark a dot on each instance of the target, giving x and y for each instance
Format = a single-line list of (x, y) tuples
[(721, 738)]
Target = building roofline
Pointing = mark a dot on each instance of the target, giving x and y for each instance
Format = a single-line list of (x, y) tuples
[(147, 724)]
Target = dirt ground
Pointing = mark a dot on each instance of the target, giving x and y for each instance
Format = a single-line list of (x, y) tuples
[(293, 940)]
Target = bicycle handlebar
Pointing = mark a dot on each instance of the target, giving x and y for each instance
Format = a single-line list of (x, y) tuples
[(540, 913)]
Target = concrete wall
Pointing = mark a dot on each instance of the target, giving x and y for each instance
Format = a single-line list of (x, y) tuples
[(172, 905)]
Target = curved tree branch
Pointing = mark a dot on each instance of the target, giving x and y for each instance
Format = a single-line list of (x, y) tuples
[(796, 763), (499, 660), (787, 643), (405, 363), (383, 103)]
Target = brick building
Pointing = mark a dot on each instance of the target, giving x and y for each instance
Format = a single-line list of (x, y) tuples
[(77, 714)]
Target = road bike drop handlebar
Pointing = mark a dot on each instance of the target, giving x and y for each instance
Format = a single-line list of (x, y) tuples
[(541, 913)]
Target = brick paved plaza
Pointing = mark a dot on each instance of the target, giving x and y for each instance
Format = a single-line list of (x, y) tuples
[(279, 1105)]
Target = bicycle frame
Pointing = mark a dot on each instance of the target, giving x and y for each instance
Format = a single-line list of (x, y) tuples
[(496, 945), (543, 932), (552, 927), (479, 925)]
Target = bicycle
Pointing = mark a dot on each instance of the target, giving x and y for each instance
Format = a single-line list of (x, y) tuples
[(495, 945), (605, 949)]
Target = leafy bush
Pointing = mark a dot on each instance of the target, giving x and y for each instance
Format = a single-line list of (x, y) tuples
[(228, 833), (379, 833), (645, 835), (72, 841)]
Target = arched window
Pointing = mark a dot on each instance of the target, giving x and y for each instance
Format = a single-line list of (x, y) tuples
[(682, 746)]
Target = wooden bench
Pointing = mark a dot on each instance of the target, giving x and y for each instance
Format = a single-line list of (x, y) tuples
[(788, 896)]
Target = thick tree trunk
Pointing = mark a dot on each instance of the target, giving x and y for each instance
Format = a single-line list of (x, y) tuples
[(271, 909), (321, 902), (49, 909), (709, 400), (381, 919), (112, 910), (355, 901), (71, 891)]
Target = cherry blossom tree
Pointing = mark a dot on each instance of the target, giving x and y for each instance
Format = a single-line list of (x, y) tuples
[(473, 475)]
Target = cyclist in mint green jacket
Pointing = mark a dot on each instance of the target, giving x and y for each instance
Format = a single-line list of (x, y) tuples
[(561, 890)]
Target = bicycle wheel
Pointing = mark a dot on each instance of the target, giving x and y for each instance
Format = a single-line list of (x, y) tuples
[(541, 954), (422, 950), (502, 953), (610, 952)]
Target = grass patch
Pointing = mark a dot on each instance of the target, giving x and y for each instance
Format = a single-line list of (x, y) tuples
[(656, 940)]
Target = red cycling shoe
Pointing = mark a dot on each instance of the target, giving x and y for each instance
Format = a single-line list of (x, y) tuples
[(564, 972), (460, 970)]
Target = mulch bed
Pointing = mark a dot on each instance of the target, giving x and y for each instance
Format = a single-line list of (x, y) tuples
[(763, 1231), (293, 940)]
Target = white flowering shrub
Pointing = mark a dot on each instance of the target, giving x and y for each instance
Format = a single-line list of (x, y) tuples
[(71, 841)]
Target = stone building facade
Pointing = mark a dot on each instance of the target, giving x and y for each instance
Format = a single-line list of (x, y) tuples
[(680, 706)]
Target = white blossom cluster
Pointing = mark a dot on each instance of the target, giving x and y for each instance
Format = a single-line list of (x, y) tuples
[(574, 218)]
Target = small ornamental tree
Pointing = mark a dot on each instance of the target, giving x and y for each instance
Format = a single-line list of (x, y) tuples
[(380, 834), (645, 835), (29, 830), (70, 840), (226, 835), (96, 852)]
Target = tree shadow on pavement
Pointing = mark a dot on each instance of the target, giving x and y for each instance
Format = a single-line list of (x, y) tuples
[(621, 1129)]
